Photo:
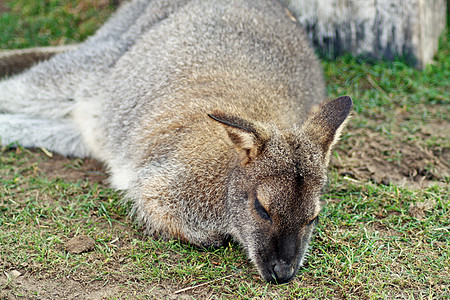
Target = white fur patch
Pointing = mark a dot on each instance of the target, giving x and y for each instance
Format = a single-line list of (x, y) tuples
[(84, 117)]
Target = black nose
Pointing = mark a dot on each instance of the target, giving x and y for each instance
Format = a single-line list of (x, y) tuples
[(283, 272)]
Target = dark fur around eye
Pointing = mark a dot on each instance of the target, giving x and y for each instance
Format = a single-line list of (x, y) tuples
[(262, 211)]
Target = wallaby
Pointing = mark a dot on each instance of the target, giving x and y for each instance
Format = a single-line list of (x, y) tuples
[(206, 113)]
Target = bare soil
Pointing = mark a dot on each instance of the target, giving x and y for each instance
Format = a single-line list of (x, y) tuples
[(402, 159), (72, 170)]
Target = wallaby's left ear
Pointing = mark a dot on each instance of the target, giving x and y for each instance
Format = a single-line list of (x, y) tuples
[(247, 136), (325, 125)]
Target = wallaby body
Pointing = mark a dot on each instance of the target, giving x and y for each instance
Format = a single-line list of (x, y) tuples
[(200, 111)]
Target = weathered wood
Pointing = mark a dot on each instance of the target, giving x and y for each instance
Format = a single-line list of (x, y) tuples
[(376, 28)]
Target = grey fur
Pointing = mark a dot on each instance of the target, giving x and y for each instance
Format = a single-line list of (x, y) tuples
[(200, 111)]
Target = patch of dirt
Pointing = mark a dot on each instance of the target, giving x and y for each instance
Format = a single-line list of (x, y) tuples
[(80, 244), (368, 154), (57, 166), (69, 288), (419, 209), (73, 170)]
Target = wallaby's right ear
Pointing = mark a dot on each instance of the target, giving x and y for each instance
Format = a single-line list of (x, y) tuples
[(248, 137), (325, 125)]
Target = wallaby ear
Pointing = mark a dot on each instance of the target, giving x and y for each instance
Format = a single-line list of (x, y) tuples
[(325, 125), (248, 137)]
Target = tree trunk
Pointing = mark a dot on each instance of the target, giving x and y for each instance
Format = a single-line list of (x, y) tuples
[(384, 29)]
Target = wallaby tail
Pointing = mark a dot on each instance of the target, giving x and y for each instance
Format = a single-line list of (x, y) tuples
[(59, 135), (30, 115)]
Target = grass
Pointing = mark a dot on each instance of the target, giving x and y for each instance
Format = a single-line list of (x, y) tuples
[(44, 23), (369, 243)]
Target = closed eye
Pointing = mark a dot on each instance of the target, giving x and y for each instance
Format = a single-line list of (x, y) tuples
[(262, 211), (315, 220)]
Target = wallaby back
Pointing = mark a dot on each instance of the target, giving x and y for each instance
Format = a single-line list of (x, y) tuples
[(202, 117)]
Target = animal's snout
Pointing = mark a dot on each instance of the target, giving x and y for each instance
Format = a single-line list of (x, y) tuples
[(283, 272)]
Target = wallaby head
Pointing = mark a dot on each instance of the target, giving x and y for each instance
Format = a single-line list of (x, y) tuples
[(274, 188)]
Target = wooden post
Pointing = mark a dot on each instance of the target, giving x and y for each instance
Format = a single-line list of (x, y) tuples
[(375, 28)]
